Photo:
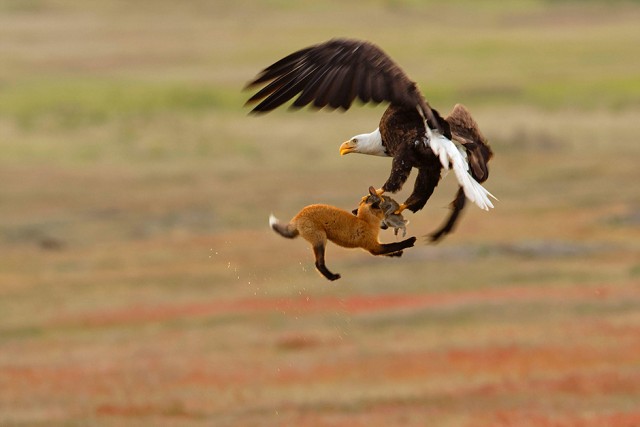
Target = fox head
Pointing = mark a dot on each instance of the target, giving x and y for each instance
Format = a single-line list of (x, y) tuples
[(372, 203)]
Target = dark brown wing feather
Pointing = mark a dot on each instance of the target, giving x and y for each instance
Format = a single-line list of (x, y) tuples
[(334, 74), (465, 129)]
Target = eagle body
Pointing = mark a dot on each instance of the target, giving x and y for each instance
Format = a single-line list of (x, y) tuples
[(399, 127), (402, 131), (334, 73)]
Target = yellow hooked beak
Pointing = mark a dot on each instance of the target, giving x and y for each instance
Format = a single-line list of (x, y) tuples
[(347, 147)]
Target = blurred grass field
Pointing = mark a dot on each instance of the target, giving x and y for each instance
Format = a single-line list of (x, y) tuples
[(141, 285)]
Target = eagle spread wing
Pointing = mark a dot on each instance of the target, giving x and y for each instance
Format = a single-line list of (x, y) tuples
[(334, 74)]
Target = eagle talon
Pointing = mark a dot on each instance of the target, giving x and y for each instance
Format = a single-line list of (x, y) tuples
[(400, 209), (379, 191)]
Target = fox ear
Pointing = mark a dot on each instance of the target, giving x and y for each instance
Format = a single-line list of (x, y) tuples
[(372, 191)]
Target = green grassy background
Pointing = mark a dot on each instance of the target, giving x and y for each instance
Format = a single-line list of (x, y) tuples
[(140, 284)]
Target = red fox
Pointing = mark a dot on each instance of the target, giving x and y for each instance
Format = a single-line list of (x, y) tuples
[(319, 223)]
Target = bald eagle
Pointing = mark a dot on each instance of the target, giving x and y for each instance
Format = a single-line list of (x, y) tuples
[(334, 73)]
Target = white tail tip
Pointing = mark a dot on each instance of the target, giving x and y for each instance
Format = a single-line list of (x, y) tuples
[(272, 220)]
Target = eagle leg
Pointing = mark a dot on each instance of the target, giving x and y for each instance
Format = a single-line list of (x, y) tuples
[(426, 182), (400, 171)]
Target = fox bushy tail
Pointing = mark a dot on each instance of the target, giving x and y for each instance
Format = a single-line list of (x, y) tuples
[(285, 230)]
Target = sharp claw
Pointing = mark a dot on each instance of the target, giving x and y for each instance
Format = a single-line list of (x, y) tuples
[(379, 191), (400, 209)]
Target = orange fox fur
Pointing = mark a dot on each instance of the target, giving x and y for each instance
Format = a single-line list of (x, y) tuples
[(319, 223)]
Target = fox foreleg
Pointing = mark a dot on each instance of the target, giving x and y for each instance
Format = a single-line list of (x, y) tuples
[(391, 248)]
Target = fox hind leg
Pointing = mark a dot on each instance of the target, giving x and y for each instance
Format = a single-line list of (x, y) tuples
[(318, 251), (315, 235)]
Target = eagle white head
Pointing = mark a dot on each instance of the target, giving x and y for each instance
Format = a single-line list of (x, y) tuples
[(366, 143)]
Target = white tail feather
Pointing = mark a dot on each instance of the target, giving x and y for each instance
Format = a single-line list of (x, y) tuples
[(449, 154)]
